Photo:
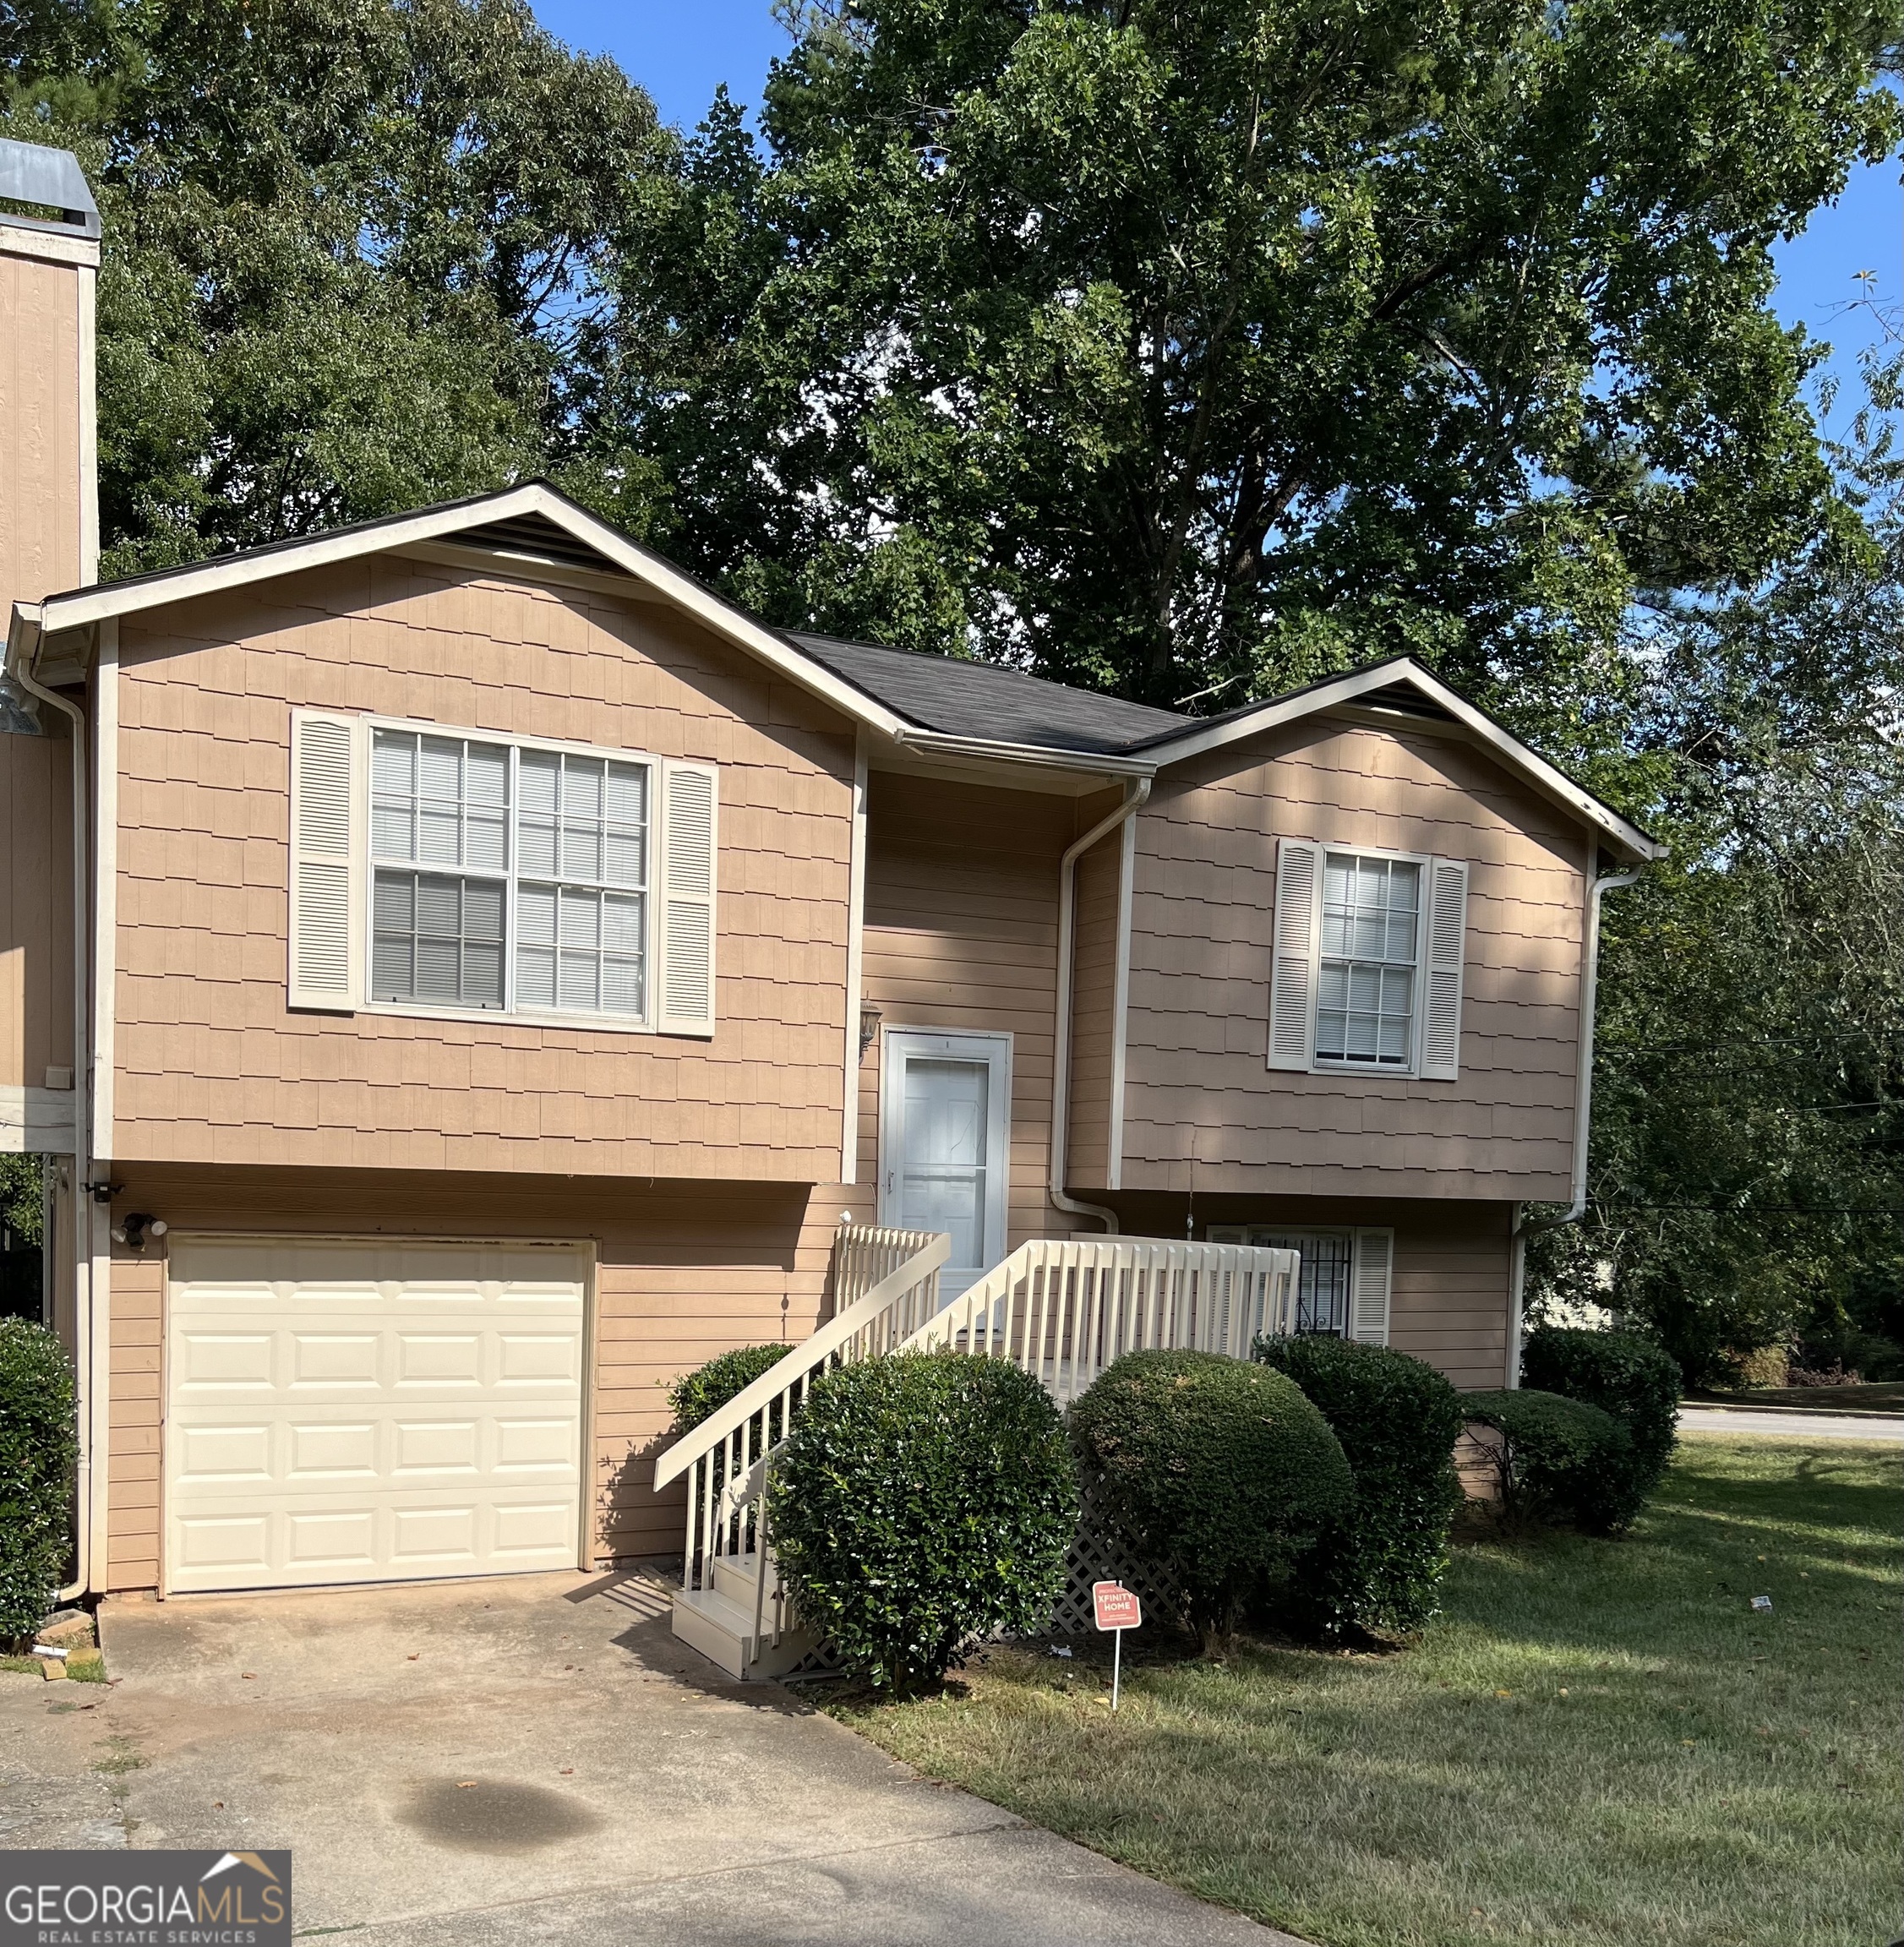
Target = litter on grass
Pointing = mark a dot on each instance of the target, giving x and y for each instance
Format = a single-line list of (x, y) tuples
[(1058, 1650), (1762, 1602)]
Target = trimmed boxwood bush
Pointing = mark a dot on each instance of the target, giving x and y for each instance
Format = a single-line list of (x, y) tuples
[(1397, 1420), (39, 1450), (1565, 1460), (1624, 1375), (1217, 1471), (922, 1500), (697, 1395)]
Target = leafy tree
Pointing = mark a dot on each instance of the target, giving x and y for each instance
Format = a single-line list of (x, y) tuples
[(1158, 347), (1747, 1166), (350, 248), (20, 1206)]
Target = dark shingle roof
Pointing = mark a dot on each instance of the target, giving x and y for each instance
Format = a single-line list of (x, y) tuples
[(964, 699)]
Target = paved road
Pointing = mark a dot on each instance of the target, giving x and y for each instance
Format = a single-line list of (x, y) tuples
[(537, 1761), (1771, 1425)]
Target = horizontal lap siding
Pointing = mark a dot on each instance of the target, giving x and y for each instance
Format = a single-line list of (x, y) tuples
[(1094, 973), (136, 1354), (1449, 1303), (683, 1271), (1449, 1284), (1201, 1107), (211, 1065), (961, 936)]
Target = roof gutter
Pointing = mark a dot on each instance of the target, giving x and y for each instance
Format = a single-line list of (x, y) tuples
[(1524, 1227), (1134, 795), (1043, 756), (22, 643)]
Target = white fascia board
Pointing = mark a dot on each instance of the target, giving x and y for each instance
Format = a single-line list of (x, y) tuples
[(1515, 755), (49, 245), (23, 636), (88, 605)]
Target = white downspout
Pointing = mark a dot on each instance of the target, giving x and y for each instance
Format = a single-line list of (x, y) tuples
[(86, 1404), (1134, 795), (1597, 890)]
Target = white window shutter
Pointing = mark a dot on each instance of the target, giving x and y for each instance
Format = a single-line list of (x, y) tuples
[(1441, 1004), (1371, 1275), (1292, 978), (689, 856), (326, 921)]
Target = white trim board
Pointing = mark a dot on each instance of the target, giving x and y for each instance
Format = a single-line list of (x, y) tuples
[(60, 613), (49, 245), (105, 881), (1321, 697), (40, 1120), (853, 1055), (652, 578), (1121, 1000)]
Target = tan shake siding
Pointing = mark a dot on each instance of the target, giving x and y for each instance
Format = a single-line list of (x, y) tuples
[(35, 907), (1095, 986), (1201, 1106), (683, 1271), (961, 936), (40, 430), (1448, 1293), (212, 1067)]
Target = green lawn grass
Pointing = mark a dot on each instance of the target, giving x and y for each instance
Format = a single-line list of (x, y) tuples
[(1599, 1741)]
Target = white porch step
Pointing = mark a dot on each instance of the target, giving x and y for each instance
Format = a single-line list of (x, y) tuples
[(719, 1623)]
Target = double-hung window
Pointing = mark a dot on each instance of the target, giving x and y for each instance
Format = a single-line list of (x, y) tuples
[(1369, 949), (1371, 926), (508, 877)]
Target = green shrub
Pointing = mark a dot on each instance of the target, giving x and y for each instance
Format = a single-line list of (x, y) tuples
[(1219, 1471), (1564, 1459), (698, 1395), (1397, 1420), (1622, 1374), (39, 1449), (923, 1500)]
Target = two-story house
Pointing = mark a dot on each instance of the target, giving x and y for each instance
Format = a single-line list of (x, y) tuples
[(501, 962)]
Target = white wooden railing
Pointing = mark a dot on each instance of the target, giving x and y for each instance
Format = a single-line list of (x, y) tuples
[(865, 1254), (1064, 1308), (724, 1457)]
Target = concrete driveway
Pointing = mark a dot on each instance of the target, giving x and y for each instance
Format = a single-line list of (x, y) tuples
[(1766, 1423), (535, 1760)]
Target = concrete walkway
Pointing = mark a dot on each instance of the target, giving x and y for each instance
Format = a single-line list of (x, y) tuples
[(537, 1759), (1767, 1423)]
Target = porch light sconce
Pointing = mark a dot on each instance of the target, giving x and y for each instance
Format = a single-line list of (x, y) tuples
[(869, 1027)]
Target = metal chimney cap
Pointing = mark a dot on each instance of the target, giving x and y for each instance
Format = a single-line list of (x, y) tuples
[(51, 179)]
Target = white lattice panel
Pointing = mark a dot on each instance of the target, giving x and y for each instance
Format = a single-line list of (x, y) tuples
[(1097, 1556)]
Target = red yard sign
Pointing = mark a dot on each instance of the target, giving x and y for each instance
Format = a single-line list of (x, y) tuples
[(1116, 1606)]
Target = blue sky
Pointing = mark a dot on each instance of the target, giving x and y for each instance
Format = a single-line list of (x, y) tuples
[(681, 53)]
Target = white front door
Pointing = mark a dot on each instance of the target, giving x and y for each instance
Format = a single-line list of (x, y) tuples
[(945, 1143), (371, 1411)]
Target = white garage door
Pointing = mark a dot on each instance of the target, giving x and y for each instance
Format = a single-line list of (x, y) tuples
[(371, 1412)]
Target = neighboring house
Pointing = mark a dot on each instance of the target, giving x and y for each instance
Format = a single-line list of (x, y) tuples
[(501, 964)]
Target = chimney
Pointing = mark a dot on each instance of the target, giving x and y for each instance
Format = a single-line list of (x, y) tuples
[(49, 459)]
